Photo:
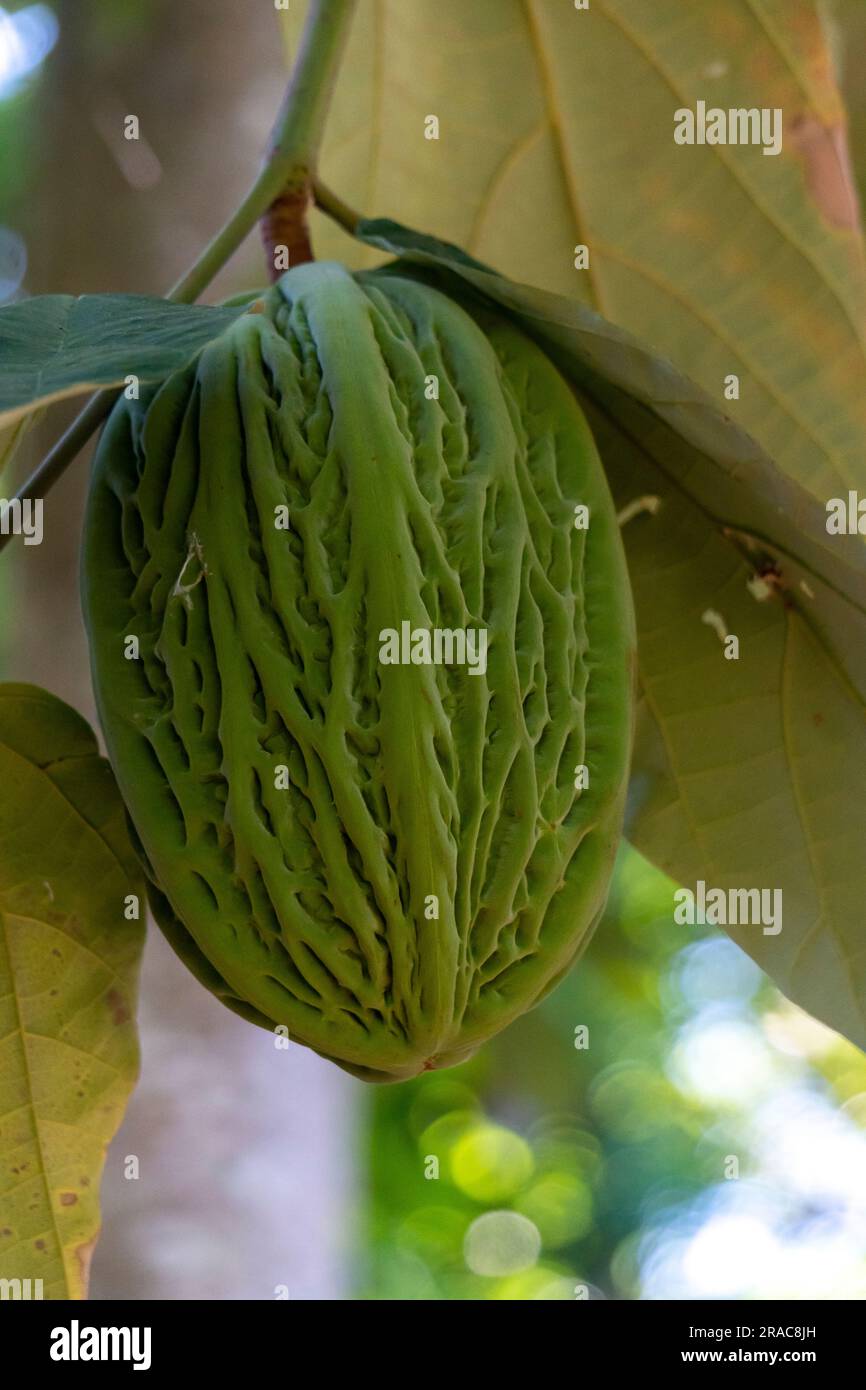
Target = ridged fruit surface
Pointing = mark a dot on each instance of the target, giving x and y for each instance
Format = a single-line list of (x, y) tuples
[(391, 860)]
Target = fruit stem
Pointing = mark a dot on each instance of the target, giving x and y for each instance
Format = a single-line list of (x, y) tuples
[(291, 155)]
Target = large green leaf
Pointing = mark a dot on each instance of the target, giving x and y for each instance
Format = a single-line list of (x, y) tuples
[(727, 261), (68, 973), (723, 259), (747, 772), (55, 345)]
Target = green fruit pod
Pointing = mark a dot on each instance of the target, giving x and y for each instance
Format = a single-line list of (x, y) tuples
[(365, 679)]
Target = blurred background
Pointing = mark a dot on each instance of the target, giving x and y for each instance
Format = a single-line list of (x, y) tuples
[(663, 1113)]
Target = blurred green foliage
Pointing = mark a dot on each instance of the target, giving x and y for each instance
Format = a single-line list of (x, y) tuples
[(575, 1157), (573, 1131)]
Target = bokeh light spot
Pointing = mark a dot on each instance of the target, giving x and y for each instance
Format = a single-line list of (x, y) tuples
[(560, 1205), (537, 1285), (26, 39), (501, 1242), (491, 1163)]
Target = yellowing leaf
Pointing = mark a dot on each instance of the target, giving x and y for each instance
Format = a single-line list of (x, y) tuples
[(68, 972), (12, 437)]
